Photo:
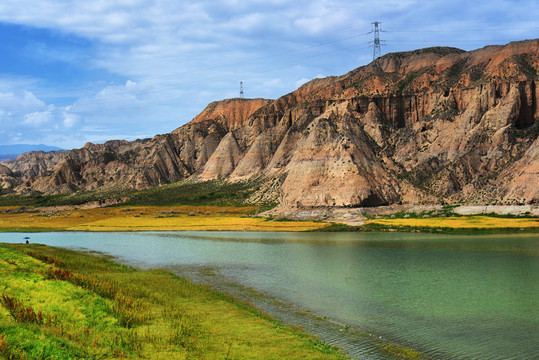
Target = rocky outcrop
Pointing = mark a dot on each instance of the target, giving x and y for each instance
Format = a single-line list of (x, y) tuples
[(231, 114), (7, 179), (34, 163), (437, 125)]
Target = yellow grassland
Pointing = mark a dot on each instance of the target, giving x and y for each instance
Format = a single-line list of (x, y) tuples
[(464, 222), (202, 218), (149, 218)]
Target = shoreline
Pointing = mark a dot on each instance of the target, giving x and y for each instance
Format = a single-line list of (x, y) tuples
[(448, 220), (173, 317), (356, 343), (325, 335)]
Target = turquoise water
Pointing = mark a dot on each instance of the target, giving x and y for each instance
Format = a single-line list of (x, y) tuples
[(456, 297)]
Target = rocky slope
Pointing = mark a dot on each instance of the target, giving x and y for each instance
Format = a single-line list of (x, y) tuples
[(437, 125)]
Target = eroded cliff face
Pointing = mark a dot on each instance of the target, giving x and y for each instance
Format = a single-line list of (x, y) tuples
[(427, 126)]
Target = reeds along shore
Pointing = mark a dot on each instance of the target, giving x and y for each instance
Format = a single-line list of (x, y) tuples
[(62, 304)]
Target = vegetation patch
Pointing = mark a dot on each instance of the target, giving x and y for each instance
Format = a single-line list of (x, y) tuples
[(207, 193), (215, 193), (409, 79), (145, 218), (84, 300), (461, 224), (525, 66), (78, 198), (202, 223), (400, 352)]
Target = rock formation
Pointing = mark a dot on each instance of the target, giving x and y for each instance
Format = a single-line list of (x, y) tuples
[(436, 125)]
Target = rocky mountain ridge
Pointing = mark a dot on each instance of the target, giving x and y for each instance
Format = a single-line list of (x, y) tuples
[(436, 125)]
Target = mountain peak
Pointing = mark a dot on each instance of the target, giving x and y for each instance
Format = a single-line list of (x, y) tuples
[(231, 113)]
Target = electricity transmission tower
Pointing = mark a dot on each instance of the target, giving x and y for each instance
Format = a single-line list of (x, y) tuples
[(241, 89), (377, 43)]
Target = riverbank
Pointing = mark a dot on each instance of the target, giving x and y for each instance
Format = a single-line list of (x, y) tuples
[(145, 218), (356, 343), (58, 303), (214, 218)]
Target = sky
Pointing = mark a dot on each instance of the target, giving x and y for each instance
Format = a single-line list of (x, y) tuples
[(75, 71)]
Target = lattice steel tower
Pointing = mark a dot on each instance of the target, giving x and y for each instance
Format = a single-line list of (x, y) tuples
[(241, 89), (377, 43)]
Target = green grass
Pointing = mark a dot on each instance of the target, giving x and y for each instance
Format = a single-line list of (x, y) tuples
[(216, 193), (77, 198), (447, 230), (61, 304), (335, 227), (400, 352), (447, 223)]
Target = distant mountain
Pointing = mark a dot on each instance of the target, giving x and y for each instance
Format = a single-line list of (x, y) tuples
[(11, 151), (8, 157)]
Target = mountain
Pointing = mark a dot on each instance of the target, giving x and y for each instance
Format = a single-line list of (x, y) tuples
[(16, 149), (8, 157), (435, 125)]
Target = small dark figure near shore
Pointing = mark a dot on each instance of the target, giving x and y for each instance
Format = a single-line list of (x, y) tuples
[(28, 242)]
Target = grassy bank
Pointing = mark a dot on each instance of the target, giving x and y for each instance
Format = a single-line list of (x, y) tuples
[(61, 304), (456, 224), (145, 218), (235, 218)]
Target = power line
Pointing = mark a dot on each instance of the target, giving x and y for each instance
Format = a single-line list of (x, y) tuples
[(461, 30), (176, 85), (226, 65), (376, 52), (96, 102)]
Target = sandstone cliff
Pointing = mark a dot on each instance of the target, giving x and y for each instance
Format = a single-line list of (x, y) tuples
[(437, 125)]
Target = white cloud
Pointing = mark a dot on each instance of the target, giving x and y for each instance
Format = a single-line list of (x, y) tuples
[(173, 57), (38, 119), (71, 121)]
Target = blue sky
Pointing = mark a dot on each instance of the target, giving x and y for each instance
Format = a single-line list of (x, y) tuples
[(78, 71)]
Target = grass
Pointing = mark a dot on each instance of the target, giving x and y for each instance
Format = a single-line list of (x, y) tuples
[(463, 224), (61, 304), (204, 193), (216, 193), (400, 352), (77, 198), (217, 223), (235, 218), (146, 218)]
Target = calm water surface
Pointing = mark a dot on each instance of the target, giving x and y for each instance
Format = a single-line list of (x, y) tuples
[(456, 297)]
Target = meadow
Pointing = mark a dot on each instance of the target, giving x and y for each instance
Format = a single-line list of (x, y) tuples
[(234, 218), (145, 218), (209, 205), (462, 224), (61, 304)]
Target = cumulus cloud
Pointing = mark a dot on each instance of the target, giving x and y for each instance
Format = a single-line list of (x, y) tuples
[(26, 118), (71, 121), (38, 119)]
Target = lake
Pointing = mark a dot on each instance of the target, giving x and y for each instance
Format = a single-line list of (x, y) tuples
[(454, 297)]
